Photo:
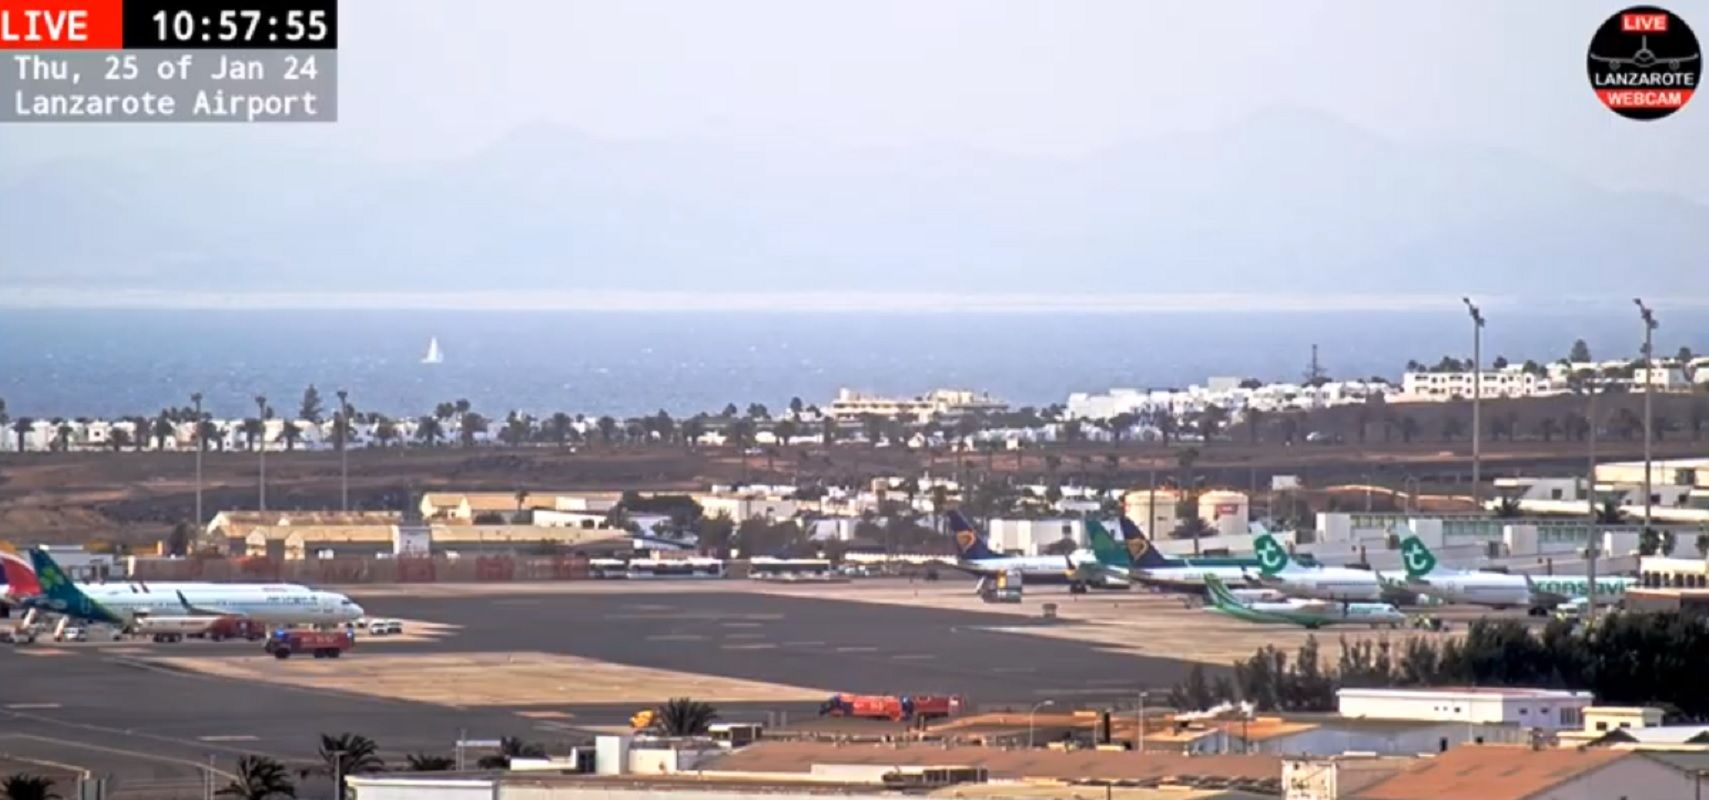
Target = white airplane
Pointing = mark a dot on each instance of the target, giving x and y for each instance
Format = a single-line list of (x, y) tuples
[(1343, 584), (1304, 613), (183, 607), (1535, 593), (1463, 587), (1079, 569)]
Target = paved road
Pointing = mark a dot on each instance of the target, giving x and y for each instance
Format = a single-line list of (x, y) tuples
[(99, 707)]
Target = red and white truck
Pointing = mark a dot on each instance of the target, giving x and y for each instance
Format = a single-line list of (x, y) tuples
[(284, 643)]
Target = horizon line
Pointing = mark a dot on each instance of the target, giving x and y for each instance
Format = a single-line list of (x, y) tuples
[(673, 301)]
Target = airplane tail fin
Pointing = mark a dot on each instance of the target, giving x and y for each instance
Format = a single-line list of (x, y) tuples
[(1139, 548), (1416, 557), (1218, 592), (1105, 548), (64, 596), (1272, 556), (20, 581), (968, 543)]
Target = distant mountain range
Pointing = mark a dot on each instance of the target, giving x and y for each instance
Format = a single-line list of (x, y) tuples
[(1285, 201)]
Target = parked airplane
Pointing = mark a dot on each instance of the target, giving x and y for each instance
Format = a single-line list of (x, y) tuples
[(1280, 572), (1142, 561), (1465, 587), (1500, 590), (154, 608), (1079, 569), (1306, 613), (17, 583), (1131, 533)]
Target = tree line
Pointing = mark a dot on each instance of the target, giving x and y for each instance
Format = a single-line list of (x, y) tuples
[(1629, 658)]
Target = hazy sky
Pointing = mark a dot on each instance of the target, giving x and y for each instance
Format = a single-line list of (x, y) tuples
[(427, 78)]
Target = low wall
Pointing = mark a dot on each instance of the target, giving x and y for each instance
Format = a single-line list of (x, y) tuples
[(468, 569)]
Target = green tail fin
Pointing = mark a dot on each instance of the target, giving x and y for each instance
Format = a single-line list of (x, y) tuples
[(63, 595), (1272, 557), (1105, 548), (1218, 592), (1417, 558)]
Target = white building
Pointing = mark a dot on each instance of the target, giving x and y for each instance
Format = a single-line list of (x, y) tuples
[(1547, 709), (1030, 536), (852, 405)]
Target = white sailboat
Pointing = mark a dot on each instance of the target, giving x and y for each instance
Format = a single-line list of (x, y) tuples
[(434, 356)]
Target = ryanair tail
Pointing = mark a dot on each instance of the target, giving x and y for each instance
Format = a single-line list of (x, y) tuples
[(62, 596), (1139, 549), (969, 545)]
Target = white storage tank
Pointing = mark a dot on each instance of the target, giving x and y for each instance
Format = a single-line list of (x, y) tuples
[(1225, 512)]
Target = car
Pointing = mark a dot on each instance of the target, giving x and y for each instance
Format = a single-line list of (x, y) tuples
[(394, 627), (74, 635), (16, 637)]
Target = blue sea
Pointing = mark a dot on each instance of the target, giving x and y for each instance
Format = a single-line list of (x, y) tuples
[(109, 363)]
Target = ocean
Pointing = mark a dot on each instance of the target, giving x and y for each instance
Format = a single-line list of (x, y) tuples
[(111, 363)]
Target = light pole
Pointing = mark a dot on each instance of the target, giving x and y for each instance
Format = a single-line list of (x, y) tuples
[(1650, 323), (337, 772), (1590, 550), (343, 450), (1139, 729), (261, 443), (1477, 400), (200, 446), (1031, 716)]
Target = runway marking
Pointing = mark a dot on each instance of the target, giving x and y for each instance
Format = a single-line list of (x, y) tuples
[(744, 636), (239, 737), (915, 657), (43, 651), (758, 646), (545, 715), (741, 624), (31, 706), (676, 637), (857, 649), (803, 644), (122, 752)]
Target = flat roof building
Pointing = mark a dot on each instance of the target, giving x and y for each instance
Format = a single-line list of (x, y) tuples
[(1547, 709)]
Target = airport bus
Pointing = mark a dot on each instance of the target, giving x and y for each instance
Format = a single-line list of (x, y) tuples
[(608, 568), (675, 568)]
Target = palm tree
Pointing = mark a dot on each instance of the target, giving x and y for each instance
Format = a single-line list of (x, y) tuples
[(560, 428), (349, 754), (162, 430), (1508, 508), (385, 431), (1254, 418), (22, 427), (683, 716), (251, 432), (423, 762), (429, 430), (62, 435), (23, 786), (259, 778), (469, 425), (607, 426), (290, 433), (1703, 545)]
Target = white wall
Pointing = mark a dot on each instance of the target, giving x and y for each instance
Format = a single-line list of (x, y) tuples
[(1029, 536)]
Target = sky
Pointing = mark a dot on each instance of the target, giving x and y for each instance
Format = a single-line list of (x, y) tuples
[(428, 80)]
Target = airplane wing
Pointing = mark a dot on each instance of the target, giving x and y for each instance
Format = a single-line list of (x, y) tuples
[(201, 611)]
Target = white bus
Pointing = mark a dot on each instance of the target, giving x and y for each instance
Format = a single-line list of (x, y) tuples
[(675, 568)]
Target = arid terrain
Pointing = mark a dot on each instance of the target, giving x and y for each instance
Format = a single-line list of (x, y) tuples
[(137, 497)]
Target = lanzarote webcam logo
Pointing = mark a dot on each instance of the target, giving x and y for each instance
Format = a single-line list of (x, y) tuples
[(1644, 63)]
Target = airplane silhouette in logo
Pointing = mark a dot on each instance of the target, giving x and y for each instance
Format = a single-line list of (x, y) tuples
[(1645, 58)]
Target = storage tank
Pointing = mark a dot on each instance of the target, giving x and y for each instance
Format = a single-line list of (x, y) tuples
[(1225, 512)]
